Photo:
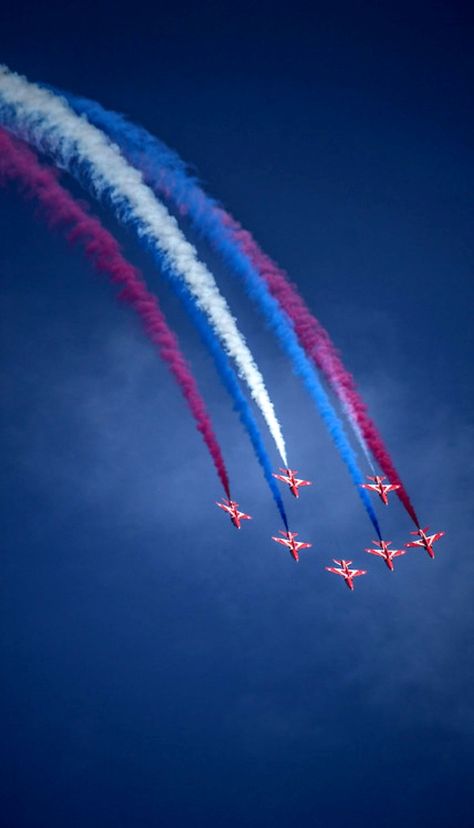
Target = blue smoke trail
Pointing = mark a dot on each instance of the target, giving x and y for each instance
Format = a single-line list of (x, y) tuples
[(151, 156)]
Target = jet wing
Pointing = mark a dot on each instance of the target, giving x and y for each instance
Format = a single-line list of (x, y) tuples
[(395, 553), (378, 552), (283, 541), (283, 477), (354, 573), (391, 487), (299, 545), (335, 570), (302, 482), (436, 536)]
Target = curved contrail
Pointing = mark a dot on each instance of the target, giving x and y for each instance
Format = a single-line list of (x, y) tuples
[(166, 173), (48, 123), (19, 164), (318, 345)]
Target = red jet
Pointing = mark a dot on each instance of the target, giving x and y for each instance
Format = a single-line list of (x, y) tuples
[(426, 541), (288, 540), (347, 574), (294, 483), (380, 487), (231, 507), (384, 552)]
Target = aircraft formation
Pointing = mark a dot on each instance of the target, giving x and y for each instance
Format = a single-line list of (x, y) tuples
[(381, 548), (149, 189)]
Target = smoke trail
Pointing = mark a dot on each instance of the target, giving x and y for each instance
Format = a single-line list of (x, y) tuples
[(38, 182), (50, 125), (18, 163), (317, 343), (230, 381), (166, 173)]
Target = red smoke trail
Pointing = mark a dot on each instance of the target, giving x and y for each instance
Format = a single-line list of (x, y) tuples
[(17, 162), (316, 342)]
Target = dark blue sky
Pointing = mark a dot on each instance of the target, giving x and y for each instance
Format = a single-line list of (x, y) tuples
[(160, 668)]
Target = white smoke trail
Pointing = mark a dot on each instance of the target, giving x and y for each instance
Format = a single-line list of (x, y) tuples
[(47, 122), (349, 412)]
